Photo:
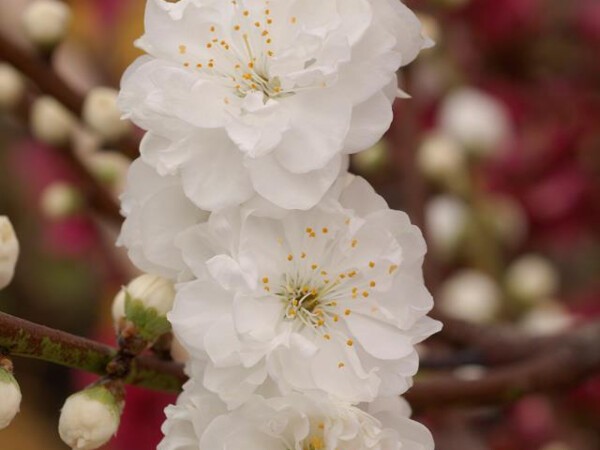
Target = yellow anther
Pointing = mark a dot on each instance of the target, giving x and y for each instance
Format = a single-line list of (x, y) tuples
[(354, 243), (365, 294), (371, 264), (340, 365), (325, 230), (290, 257), (182, 49), (347, 312), (372, 284), (236, 28), (314, 267), (212, 29), (302, 255), (392, 269), (327, 336), (293, 19), (246, 13), (265, 280), (349, 342)]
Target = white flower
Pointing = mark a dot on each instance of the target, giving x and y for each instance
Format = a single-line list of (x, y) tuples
[(10, 393), (476, 119), (9, 251), (470, 295), (441, 158), (258, 96), (90, 418), (295, 422), (330, 299), (156, 212)]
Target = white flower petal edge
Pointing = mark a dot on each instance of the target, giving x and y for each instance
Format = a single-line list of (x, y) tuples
[(233, 88), (200, 421), (156, 211), (331, 299)]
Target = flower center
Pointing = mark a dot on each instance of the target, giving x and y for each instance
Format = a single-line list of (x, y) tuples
[(239, 55)]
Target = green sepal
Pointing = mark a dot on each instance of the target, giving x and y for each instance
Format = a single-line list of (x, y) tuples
[(149, 323)]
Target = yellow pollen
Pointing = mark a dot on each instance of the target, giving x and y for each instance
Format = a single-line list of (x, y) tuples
[(324, 273), (182, 49), (371, 264), (199, 66), (320, 322), (325, 230), (211, 64), (267, 11), (247, 76), (316, 443), (327, 336), (365, 294), (293, 20), (340, 365), (321, 426), (392, 268), (267, 288), (349, 342), (270, 53), (212, 29), (246, 13), (372, 284), (186, 64), (269, 21), (347, 312), (302, 255), (290, 257), (215, 40), (265, 280), (336, 318), (314, 267), (352, 274), (342, 275), (257, 24), (251, 65), (269, 41), (236, 28), (264, 33), (208, 45), (354, 243)]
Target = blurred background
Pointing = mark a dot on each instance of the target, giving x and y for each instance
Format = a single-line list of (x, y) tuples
[(496, 155)]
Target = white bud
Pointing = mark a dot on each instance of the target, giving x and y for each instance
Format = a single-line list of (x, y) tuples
[(118, 308), (110, 168), (10, 398), (148, 300), (51, 122), (9, 251), (61, 200), (446, 219), (470, 295), (12, 86), (441, 158), (476, 119), (546, 319), (470, 372), (153, 291), (46, 22), (372, 159), (532, 278), (101, 114), (90, 418)]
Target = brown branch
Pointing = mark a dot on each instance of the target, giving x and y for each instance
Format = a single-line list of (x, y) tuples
[(43, 75), (575, 358), (22, 338)]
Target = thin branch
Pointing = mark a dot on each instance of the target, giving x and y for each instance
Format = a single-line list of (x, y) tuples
[(22, 338), (575, 358)]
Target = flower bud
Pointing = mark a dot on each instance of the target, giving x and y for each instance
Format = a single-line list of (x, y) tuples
[(110, 168), (532, 278), (51, 123), (101, 114), (148, 300), (10, 398), (118, 309), (441, 158), (446, 220), (476, 119), (46, 22), (472, 296), (546, 319), (12, 86), (373, 159), (90, 418), (9, 251), (61, 200)]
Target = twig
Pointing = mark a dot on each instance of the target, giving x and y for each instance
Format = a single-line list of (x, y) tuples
[(575, 358), (22, 338)]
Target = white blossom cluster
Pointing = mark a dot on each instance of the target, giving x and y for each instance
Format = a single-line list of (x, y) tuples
[(300, 294)]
